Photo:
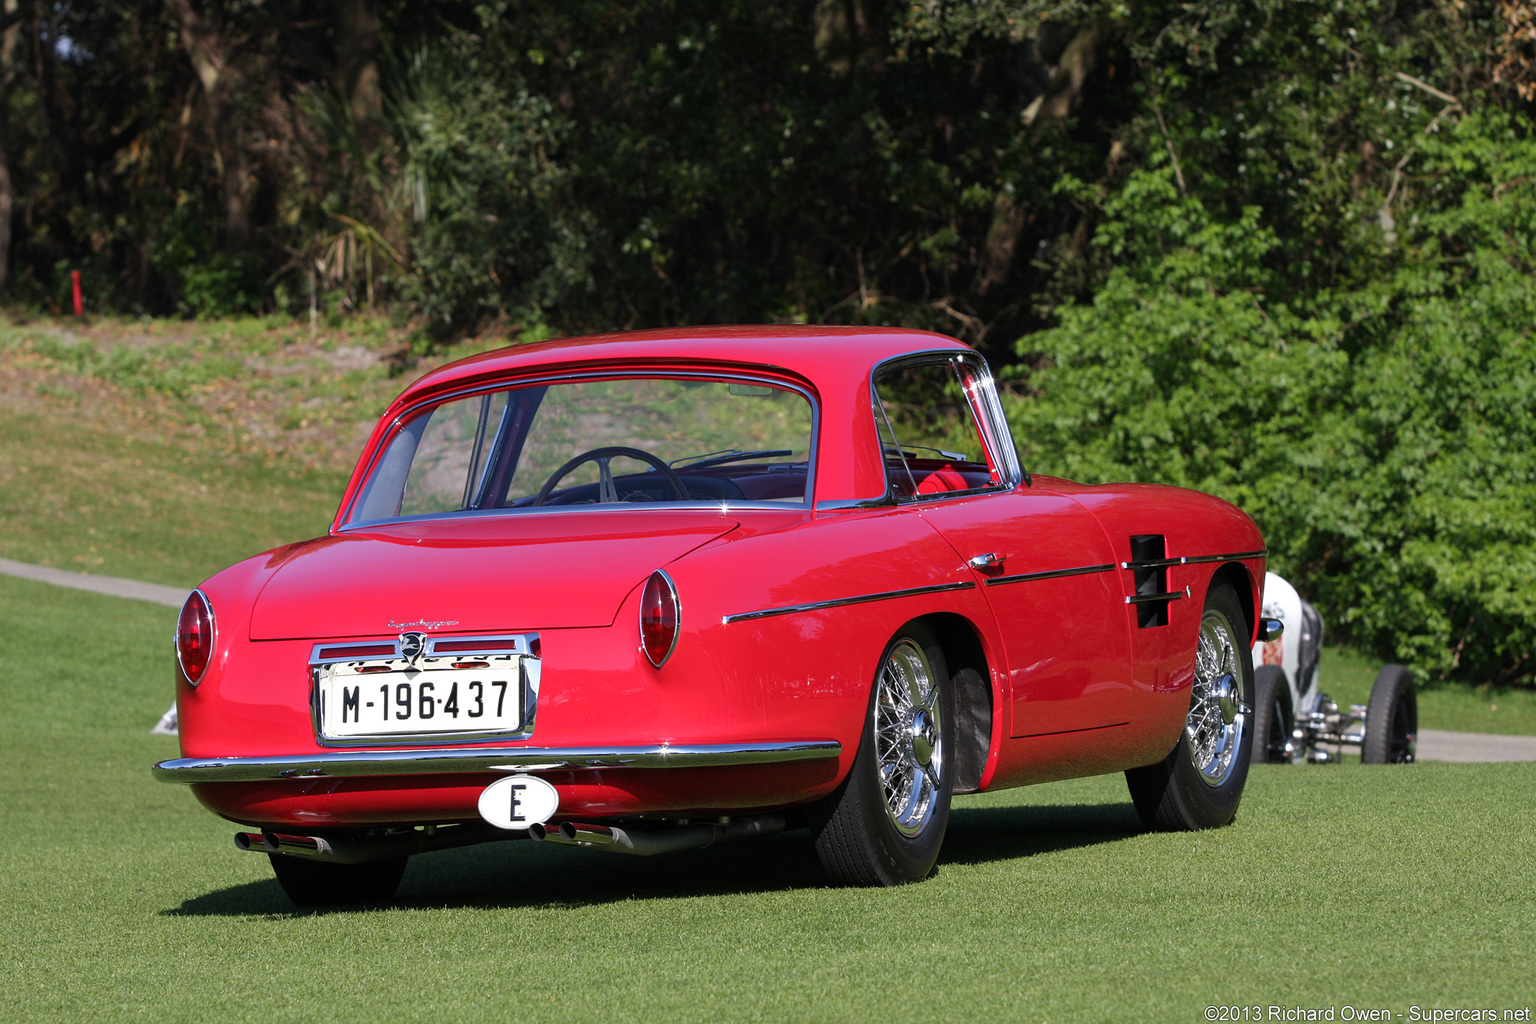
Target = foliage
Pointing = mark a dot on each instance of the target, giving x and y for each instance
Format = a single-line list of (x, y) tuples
[(1268, 247), (1376, 427)]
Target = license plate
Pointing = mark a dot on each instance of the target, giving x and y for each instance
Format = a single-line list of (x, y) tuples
[(362, 700)]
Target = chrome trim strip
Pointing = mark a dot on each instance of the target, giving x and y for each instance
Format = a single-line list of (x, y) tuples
[(1234, 557), (1025, 577), (464, 760), (817, 606), (1163, 563), (1170, 595)]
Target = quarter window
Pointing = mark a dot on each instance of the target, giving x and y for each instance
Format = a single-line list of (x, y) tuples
[(929, 433)]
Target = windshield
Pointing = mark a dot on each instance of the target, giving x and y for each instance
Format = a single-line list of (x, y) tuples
[(609, 441)]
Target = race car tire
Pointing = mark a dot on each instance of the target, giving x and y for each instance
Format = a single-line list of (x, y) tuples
[(1272, 718), (1391, 719)]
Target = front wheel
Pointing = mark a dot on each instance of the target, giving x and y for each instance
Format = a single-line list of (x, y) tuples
[(885, 823), (1391, 719), (1199, 784)]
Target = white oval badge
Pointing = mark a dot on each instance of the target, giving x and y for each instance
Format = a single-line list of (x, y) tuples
[(518, 801)]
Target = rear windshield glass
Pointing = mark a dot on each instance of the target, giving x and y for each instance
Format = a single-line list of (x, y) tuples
[(612, 441)]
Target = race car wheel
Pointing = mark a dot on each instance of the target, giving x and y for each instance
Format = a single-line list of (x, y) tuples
[(317, 883), (1391, 719), (1199, 784), (1272, 720), (885, 823)]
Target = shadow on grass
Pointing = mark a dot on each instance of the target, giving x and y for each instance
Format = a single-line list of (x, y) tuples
[(525, 874)]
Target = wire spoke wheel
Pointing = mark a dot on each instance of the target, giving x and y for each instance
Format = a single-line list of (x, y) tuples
[(1200, 782), (885, 822), (1218, 716), (909, 746)]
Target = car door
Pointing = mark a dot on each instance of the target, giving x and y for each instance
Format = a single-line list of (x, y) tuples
[(1042, 560)]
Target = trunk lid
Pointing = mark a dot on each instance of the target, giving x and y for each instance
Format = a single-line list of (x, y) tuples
[(490, 574)]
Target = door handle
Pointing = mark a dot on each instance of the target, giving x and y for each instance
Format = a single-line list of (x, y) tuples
[(991, 561)]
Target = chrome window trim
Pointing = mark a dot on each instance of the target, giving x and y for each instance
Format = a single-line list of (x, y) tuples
[(345, 524), (719, 508), (461, 760), (816, 606)]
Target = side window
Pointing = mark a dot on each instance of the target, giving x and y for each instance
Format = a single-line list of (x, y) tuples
[(929, 433)]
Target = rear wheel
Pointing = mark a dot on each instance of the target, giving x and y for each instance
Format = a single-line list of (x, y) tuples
[(885, 823), (1272, 720), (1199, 784), (318, 883), (1391, 719)]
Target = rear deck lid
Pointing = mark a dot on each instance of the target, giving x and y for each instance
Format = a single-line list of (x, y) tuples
[(505, 573)]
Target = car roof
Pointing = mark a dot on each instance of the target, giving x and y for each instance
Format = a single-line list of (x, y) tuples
[(813, 353)]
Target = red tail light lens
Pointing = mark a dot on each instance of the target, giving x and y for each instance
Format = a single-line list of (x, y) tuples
[(658, 618), (194, 637)]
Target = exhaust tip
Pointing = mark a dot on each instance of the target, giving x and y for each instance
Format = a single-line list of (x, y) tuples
[(537, 832), (245, 842)]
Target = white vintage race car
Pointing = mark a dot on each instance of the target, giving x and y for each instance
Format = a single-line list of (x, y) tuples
[(1294, 721)]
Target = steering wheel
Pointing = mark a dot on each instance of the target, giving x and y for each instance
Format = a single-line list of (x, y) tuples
[(606, 491)]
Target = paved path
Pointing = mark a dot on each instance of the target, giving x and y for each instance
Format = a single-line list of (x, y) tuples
[(1434, 744), (113, 586), (1437, 745)]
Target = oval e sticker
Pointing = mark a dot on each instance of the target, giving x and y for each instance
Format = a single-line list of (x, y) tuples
[(518, 801)]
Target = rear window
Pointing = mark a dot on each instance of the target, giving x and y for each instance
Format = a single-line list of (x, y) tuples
[(618, 441)]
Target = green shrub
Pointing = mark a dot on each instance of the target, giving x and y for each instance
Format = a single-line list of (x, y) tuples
[(1378, 428)]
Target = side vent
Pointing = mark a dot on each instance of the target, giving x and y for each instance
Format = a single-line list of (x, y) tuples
[(1149, 568)]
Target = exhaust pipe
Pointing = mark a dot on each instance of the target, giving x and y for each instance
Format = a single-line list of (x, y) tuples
[(646, 842), (362, 848)]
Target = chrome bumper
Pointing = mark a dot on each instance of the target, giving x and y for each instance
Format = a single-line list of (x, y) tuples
[(459, 760)]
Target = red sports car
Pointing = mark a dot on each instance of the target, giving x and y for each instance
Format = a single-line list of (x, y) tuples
[(649, 591)]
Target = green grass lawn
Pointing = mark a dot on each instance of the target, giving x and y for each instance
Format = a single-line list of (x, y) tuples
[(120, 898)]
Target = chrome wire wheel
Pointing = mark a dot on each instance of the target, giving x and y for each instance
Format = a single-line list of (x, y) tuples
[(908, 735), (1218, 715)]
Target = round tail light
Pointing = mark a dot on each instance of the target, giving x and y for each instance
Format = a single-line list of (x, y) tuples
[(194, 637), (658, 618)]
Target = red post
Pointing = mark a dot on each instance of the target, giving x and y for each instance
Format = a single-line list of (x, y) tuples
[(74, 281)]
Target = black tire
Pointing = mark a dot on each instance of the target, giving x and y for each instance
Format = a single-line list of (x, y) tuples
[(1200, 783), (1391, 719), (318, 883), (1272, 718), (885, 823)]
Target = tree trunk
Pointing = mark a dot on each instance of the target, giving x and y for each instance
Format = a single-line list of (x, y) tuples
[(210, 56), (1060, 99), (10, 34), (357, 58)]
